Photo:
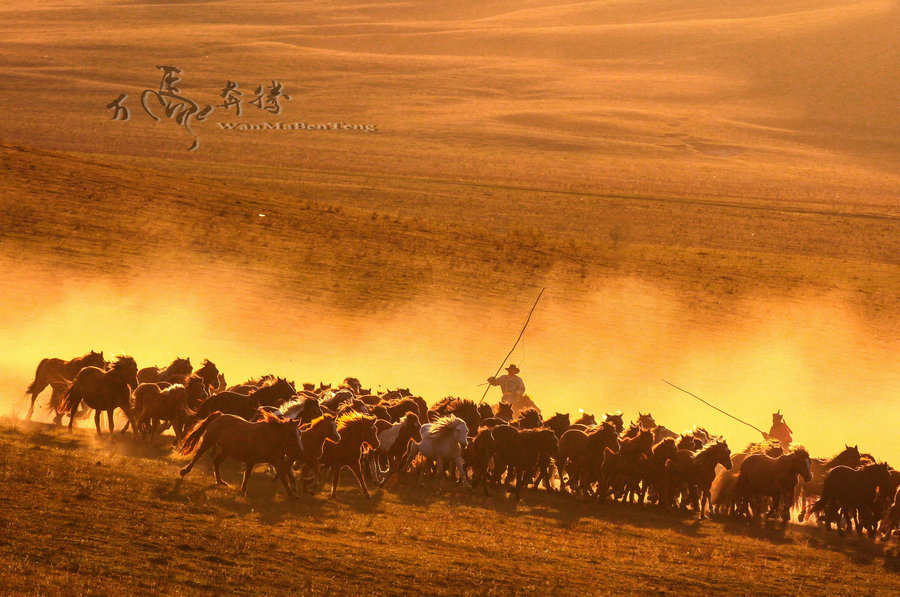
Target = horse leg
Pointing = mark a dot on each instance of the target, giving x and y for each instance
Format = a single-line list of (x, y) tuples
[(282, 469), (31, 408), (97, 420), (248, 470), (462, 471), (360, 478), (112, 425), (439, 472), (217, 460), (335, 478)]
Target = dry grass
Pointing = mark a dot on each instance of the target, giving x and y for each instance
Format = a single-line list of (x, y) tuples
[(81, 516)]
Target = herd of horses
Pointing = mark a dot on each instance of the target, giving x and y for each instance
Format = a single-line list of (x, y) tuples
[(383, 436)]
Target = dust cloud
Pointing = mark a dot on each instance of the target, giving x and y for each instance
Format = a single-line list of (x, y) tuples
[(835, 380)]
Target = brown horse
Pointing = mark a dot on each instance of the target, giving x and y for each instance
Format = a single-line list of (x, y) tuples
[(312, 439), (154, 406), (355, 430), (102, 391), (177, 369), (855, 495), (274, 393), (57, 370), (273, 440), (581, 456), (696, 471), (762, 476)]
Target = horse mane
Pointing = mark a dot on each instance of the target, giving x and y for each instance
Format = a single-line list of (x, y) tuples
[(121, 361), (459, 404), (351, 420), (268, 417), (444, 426), (659, 445), (292, 403), (440, 403), (800, 450), (708, 450)]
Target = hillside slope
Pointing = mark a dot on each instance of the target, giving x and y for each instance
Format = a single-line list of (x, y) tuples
[(67, 530)]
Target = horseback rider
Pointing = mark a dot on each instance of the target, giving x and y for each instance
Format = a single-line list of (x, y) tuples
[(780, 430), (511, 384)]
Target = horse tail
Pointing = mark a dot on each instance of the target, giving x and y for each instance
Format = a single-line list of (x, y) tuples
[(37, 375), (66, 399), (190, 442)]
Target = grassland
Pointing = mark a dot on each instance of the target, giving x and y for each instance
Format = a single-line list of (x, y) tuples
[(81, 516)]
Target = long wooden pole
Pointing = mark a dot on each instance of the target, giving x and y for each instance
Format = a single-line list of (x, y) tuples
[(527, 319), (717, 408)]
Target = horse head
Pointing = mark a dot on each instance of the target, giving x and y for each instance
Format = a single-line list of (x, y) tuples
[(411, 422), (723, 455), (331, 431), (461, 432), (803, 464), (616, 419)]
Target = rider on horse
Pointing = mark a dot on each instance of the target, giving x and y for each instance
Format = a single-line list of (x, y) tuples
[(780, 430)]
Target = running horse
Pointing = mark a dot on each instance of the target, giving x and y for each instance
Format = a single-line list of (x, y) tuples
[(355, 430), (762, 476), (696, 470), (179, 368), (102, 391), (854, 495), (57, 370), (273, 440)]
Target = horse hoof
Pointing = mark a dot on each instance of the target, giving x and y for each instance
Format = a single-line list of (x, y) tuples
[(183, 472)]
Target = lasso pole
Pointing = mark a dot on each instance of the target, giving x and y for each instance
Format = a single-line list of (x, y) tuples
[(717, 408), (527, 319)]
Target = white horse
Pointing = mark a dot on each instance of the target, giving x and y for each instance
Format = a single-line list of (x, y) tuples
[(442, 442)]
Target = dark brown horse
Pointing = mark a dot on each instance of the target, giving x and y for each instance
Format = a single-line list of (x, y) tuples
[(463, 408), (209, 373), (397, 409), (102, 391), (696, 471), (529, 418), (808, 491), (59, 371), (355, 430), (586, 420), (273, 440), (654, 475), (762, 477), (623, 470), (174, 373), (616, 419), (519, 453), (581, 456), (856, 495)]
